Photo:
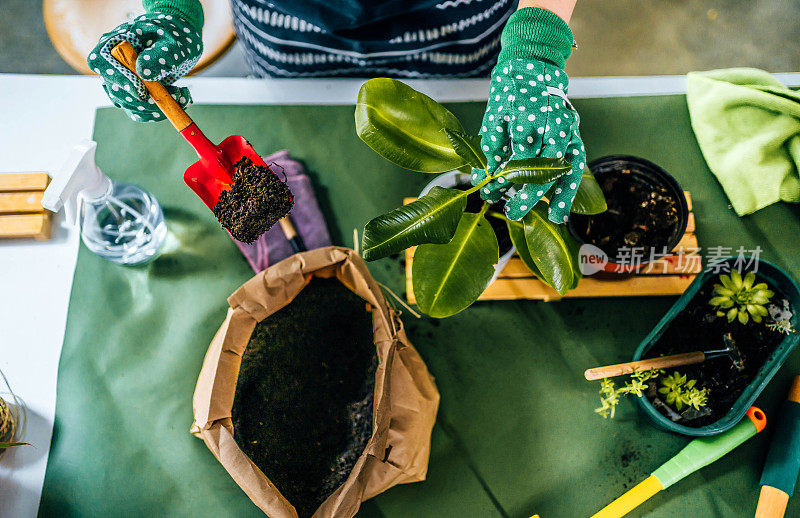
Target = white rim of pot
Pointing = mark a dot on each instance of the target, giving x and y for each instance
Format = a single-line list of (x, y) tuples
[(451, 179)]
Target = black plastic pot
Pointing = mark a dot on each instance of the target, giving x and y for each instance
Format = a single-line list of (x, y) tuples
[(650, 174)]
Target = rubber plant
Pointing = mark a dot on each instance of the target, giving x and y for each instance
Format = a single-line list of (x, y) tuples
[(457, 250)]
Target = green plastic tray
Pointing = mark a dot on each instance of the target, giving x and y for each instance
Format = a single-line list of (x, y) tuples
[(775, 277)]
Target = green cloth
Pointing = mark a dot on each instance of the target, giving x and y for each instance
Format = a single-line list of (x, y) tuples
[(516, 432), (748, 125)]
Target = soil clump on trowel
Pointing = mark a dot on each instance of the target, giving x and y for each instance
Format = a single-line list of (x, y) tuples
[(256, 200)]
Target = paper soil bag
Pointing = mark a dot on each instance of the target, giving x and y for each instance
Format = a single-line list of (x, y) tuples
[(405, 399)]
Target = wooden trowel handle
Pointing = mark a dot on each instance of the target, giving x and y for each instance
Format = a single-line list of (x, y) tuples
[(662, 362), (126, 55)]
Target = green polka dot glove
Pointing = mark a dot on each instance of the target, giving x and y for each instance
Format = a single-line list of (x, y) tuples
[(168, 40), (528, 114)]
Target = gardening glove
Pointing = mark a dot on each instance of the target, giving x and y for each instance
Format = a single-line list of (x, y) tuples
[(528, 114), (168, 40)]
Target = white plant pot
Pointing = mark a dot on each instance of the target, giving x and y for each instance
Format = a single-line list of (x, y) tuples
[(449, 180)]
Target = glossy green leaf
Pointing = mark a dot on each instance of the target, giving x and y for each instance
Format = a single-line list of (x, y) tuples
[(406, 127), (589, 199), (535, 170), (517, 232), (448, 278), (468, 147), (432, 218), (12, 444), (553, 250)]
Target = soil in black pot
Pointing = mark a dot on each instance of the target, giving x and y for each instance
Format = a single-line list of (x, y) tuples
[(256, 200), (698, 328), (475, 204), (641, 214), (302, 410)]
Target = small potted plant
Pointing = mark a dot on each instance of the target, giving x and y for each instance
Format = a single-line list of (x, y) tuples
[(458, 249), (677, 393), (646, 217), (755, 311), (458, 180)]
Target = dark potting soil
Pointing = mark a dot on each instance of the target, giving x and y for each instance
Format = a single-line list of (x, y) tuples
[(302, 410), (640, 215), (474, 205), (256, 200), (698, 328)]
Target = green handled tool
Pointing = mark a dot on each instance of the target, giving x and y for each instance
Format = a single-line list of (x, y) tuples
[(697, 454), (783, 460)]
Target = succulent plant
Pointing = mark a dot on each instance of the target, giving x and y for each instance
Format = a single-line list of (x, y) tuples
[(610, 395), (738, 298), (782, 326), (679, 392)]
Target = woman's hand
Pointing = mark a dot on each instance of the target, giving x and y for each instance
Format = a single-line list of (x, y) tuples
[(169, 44), (528, 113)]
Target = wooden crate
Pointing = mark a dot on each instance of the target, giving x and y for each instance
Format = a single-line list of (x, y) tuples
[(21, 211), (670, 275)]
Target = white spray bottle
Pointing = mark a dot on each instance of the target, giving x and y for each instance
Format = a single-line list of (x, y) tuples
[(118, 221)]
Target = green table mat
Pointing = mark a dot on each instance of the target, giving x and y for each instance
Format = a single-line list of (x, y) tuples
[(516, 432)]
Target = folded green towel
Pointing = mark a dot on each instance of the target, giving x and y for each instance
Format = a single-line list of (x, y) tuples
[(748, 126)]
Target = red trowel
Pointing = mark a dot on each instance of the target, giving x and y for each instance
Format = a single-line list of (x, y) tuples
[(214, 171)]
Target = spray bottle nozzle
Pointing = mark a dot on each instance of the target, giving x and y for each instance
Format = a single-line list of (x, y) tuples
[(78, 178)]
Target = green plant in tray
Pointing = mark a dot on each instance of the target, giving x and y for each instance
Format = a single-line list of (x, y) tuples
[(737, 298), (782, 326), (636, 385), (679, 392), (458, 250)]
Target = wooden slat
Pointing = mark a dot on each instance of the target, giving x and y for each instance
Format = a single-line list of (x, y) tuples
[(637, 285), (529, 287), (683, 264), (17, 202), (686, 263), (35, 226), (670, 275), (409, 281), (687, 243), (23, 181), (690, 228)]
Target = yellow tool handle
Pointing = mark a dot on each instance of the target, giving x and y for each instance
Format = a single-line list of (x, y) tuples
[(126, 55), (632, 499), (662, 362), (771, 503)]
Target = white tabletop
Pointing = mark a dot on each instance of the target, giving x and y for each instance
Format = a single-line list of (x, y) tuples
[(42, 117)]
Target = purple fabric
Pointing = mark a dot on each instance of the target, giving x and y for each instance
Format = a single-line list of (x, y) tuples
[(306, 216)]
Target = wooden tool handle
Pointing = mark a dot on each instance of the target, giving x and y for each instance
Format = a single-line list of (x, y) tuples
[(794, 390), (295, 241), (771, 503), (663, 362), (126, 55)]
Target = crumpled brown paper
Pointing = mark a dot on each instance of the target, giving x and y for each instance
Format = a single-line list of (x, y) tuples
[(405, 404)]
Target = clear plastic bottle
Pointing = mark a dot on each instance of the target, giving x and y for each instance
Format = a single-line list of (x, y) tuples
[(126, 226), (119, 221)]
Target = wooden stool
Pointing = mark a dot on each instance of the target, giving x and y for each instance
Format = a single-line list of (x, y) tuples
[(75, 26)]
